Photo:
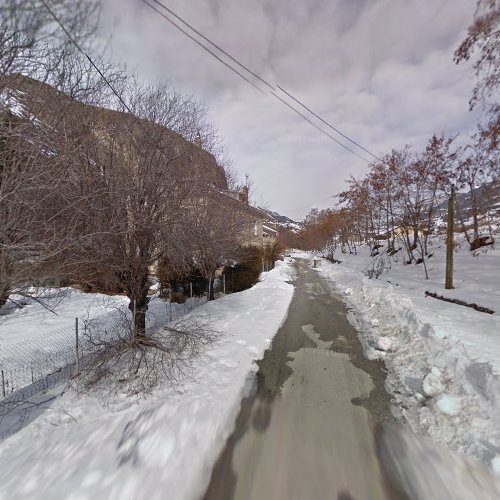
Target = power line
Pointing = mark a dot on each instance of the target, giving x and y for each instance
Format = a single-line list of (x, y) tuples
[(213, 44), (108, 83), (232, 58), (227, 54), (296, 209), (173, 23), (75, 43), (326, 123), (319, 128)]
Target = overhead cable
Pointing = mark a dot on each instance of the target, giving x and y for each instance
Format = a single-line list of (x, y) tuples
[(326, 123), (78, 47), (173, 23), (254, 74)]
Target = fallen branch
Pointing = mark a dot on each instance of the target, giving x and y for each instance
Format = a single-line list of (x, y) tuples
[(460, 303)]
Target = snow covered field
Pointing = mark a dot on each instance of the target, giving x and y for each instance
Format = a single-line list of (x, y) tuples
[(443, 358), (32, 320), (163, 446)]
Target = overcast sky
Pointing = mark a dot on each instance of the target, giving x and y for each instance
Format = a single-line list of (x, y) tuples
[(380, 70)]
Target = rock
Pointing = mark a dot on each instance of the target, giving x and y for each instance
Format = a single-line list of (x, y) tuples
[(383, 343)]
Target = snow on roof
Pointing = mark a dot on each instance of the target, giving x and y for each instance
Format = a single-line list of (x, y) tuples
[(267, 228)]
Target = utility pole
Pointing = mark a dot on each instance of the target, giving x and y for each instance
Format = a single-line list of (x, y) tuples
[(450, 242)]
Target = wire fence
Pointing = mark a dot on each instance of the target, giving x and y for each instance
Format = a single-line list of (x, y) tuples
[(34, 364)]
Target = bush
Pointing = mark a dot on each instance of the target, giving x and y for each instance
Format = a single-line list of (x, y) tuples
[(271, 253), (245, 273)]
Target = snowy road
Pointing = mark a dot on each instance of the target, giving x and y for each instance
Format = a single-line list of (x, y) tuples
[(307, 432)]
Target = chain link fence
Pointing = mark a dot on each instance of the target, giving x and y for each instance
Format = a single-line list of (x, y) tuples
[(34, 364)]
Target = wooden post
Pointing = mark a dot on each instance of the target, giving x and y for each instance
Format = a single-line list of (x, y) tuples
[(77, 353), (224, 283), (190, 289), (3, 384), (450, 242), (170, 306)]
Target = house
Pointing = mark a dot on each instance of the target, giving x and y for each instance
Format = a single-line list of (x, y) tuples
[(269, 233), (256, 226)]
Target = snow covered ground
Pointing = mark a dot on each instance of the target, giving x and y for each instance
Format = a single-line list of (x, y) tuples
[(32, 320), (443, 358), (164, 446), (37, 340)]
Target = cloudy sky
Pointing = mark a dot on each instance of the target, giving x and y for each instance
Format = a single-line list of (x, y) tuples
[(381, 71)]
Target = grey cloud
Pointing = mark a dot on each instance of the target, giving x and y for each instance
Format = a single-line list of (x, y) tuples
[(380, 70)]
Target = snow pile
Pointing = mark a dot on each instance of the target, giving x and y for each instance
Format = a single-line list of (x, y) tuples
[(443, 358), (164, 446)]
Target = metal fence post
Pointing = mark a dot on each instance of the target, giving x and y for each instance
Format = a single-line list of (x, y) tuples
[(3, 384), (224, 283), (76, 347), (133, 319), (170, 306)]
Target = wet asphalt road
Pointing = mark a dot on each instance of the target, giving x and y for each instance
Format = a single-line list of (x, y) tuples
[(307, 430)]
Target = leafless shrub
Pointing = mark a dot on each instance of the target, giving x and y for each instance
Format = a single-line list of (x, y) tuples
[(137, 365), (380, 264)]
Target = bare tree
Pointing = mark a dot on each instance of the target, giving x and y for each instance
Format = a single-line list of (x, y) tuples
[(179, 112), (28, 34), (141, 187), (483, 39), (33, 183), (478, 166)]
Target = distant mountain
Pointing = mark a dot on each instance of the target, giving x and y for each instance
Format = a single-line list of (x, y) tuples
[(282, 221), (488, 200)]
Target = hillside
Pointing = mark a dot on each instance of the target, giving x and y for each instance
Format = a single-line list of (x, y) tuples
[(38, 103), (284, 222), (488, 201)]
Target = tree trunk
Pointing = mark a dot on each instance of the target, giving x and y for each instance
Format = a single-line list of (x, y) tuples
[(4, 296), (415, 237), (473, 199), (464, 230), (139, 305), (211, 294), (406, 239)]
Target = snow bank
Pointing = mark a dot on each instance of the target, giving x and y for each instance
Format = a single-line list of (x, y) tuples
[(165, 446), (443, 359)]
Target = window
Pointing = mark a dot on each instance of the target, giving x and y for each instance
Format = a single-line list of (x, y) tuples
[(255, 229)]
